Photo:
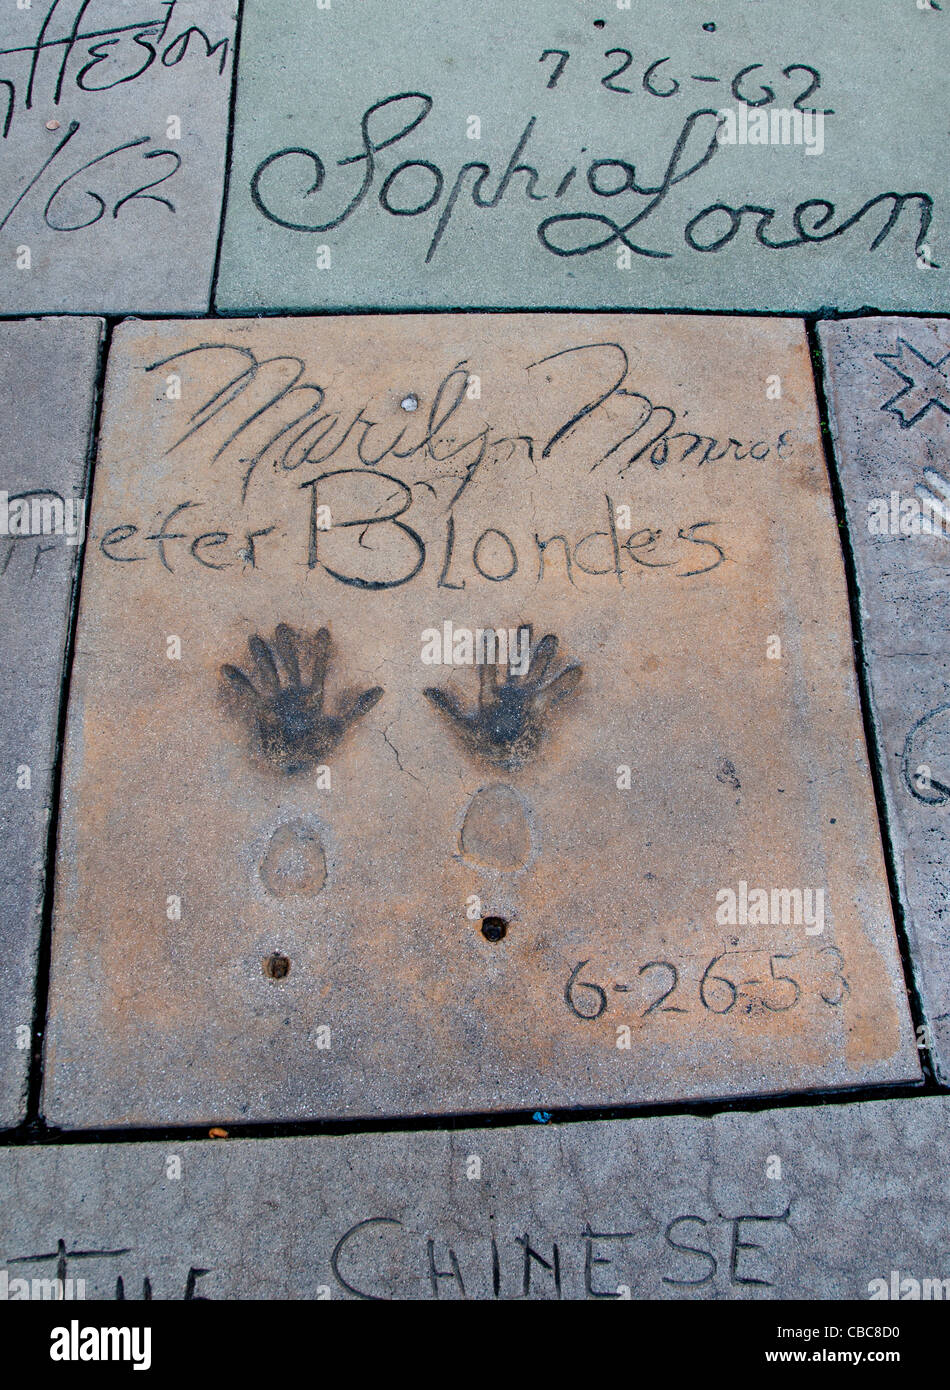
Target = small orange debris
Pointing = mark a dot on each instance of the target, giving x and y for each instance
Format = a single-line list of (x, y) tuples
[(217, 1133)]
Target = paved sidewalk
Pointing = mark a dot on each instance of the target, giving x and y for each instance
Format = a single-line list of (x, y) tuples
[(475, 782)]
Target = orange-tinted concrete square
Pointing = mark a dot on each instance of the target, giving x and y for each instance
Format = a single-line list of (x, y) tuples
[(323, 853)]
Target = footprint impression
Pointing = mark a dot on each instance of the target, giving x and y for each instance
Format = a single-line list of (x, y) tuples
[(506, 729), (295, 863)]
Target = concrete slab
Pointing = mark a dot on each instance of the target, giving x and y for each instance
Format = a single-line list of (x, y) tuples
[(560, 155), (47, 390), (314, 862), (114, 122), (829, 1202), (888, 383)]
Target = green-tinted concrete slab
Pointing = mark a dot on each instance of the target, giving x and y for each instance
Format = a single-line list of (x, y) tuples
[(759, 156), (114, 118)]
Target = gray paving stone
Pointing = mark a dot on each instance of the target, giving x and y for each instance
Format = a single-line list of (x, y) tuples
[(114, 124), (262, 912), (888, 382), (497, 156), (816, 1203), (47, 389)]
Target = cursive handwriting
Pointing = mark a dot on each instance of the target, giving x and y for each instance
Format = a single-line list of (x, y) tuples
[(284, 186), (71, 48)]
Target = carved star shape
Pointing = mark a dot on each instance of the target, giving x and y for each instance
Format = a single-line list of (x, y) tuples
[(927, 383)]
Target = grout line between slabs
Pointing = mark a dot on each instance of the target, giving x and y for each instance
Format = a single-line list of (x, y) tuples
[(228, 153), (40, 1136)]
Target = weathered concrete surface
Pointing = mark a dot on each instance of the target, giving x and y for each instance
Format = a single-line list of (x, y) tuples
[(521, 155), (340, 875), (47, 389), (815, 1203), (113, 151), (888, 383)]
